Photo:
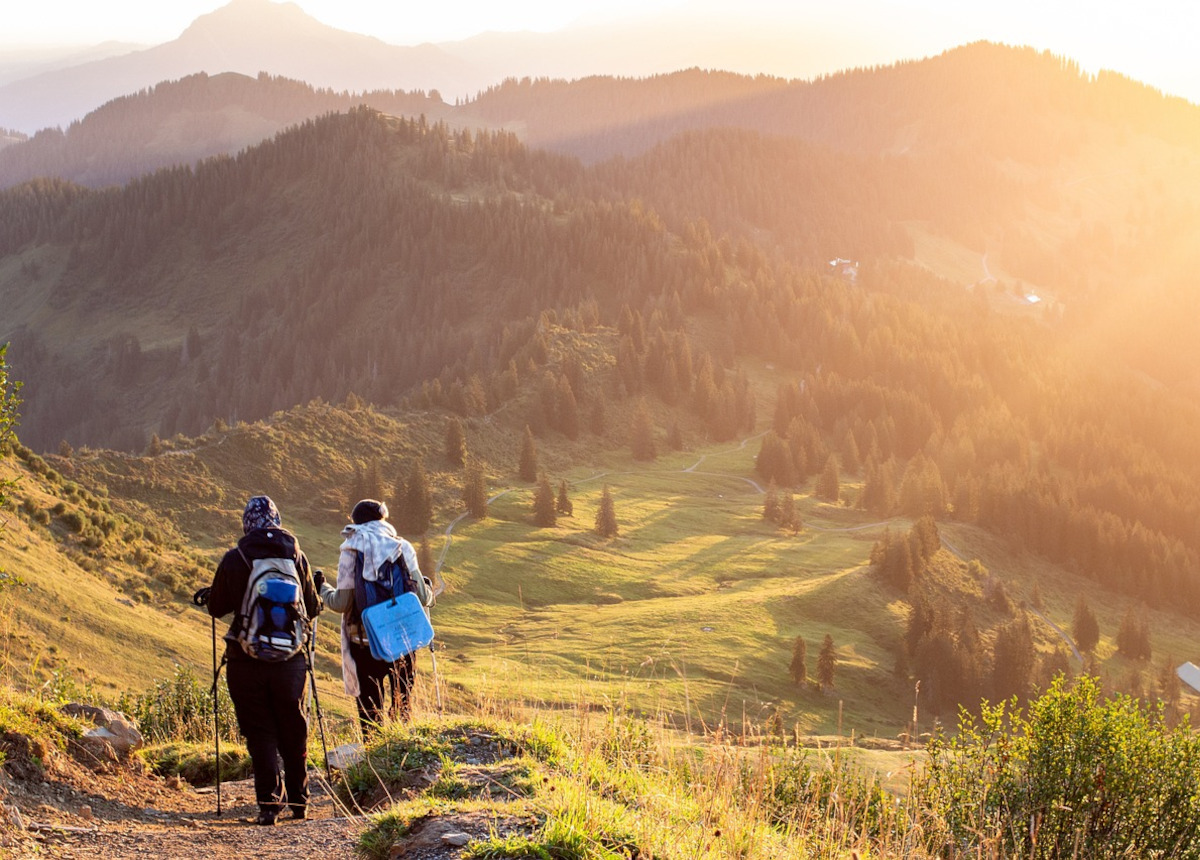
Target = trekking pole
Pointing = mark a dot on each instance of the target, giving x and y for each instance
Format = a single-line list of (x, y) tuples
[(312, 675), (216, 714), (437, 684)]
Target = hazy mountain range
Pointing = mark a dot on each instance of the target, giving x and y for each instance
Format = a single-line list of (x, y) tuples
[(46, 89), (246, 36)]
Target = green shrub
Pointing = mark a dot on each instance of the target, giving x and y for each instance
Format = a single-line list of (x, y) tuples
[(1076, 777), (181, 709)]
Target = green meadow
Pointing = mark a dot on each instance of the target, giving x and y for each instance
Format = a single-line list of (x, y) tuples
[(690, 613)]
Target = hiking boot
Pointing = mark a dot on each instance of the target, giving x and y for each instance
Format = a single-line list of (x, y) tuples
[(298, 813), (266, 817)]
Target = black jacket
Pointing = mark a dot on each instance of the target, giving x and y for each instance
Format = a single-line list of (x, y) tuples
[(233, 573)]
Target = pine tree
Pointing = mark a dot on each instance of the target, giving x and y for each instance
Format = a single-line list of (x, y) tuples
[(798, 668), (1133, 636), (1169, 687), (1013, 660), (606, 515), (598, 419), (642, 438), (675, 437), (1084, 627), (563, 504), (357, 491), (787, 511), (771, 504), (372, 482), (456, 442), (567, 409), (418, 503), (826, 663), (828, 486), (851, 459), (544, 513), (475, 491), (1035, 598), (527, 469)]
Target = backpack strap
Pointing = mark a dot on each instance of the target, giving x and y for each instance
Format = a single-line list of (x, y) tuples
[(360, 590)]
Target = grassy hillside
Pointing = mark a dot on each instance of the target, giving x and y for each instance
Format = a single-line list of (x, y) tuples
[(690, 613), (97, 599)]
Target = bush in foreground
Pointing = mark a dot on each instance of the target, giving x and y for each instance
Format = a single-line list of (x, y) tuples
[(1076, 776)]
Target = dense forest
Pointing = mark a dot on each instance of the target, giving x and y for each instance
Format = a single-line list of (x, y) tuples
[(185, 121), (986, 98), (403, 261)]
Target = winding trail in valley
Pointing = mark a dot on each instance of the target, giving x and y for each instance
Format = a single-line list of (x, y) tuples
[(440, 585)]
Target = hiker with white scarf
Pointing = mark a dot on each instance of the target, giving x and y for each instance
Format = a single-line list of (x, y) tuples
[(369, 541)]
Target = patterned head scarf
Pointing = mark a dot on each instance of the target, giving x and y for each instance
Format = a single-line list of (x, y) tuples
[(260, 513)]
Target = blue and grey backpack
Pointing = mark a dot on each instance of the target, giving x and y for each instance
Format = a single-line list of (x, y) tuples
[(272, 623)]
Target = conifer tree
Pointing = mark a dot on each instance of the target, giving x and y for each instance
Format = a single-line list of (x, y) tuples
[(563, 504), (1133, 636), (798, 668), (1035, 598), (642, 438), (1170, 689), (787, 511), (898, 567), (771, 504), (606, 515), (1053, 665), (851, 459), (475, 491), (1013, 660), (357, 490), (1084, 627), (544, 513), (567, 409), (418, 502), (675, 436), (372, 482), (826, 663), (828, 486), (598, 419), (455, 442), (527, 469)]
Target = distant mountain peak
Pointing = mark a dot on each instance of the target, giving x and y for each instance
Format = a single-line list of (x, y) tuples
[(249, 15)]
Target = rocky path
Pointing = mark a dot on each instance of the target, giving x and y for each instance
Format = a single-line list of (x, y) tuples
[(132, 816), (70, 812)]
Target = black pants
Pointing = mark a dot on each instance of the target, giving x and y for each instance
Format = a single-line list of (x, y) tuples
[(373, 675), (268, 699)]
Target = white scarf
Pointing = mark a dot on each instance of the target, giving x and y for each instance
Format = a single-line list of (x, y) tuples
[(377, 541)]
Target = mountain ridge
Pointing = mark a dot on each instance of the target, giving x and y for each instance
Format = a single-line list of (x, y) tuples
[(255, 36)]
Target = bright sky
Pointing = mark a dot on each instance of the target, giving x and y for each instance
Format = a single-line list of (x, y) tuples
[(1150, 40)]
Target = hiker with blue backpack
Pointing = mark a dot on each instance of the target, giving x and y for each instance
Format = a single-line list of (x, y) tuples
[(375, 565), (265, 580)]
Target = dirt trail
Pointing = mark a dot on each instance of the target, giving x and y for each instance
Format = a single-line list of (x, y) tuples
[(135, 816), (67, 811)]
